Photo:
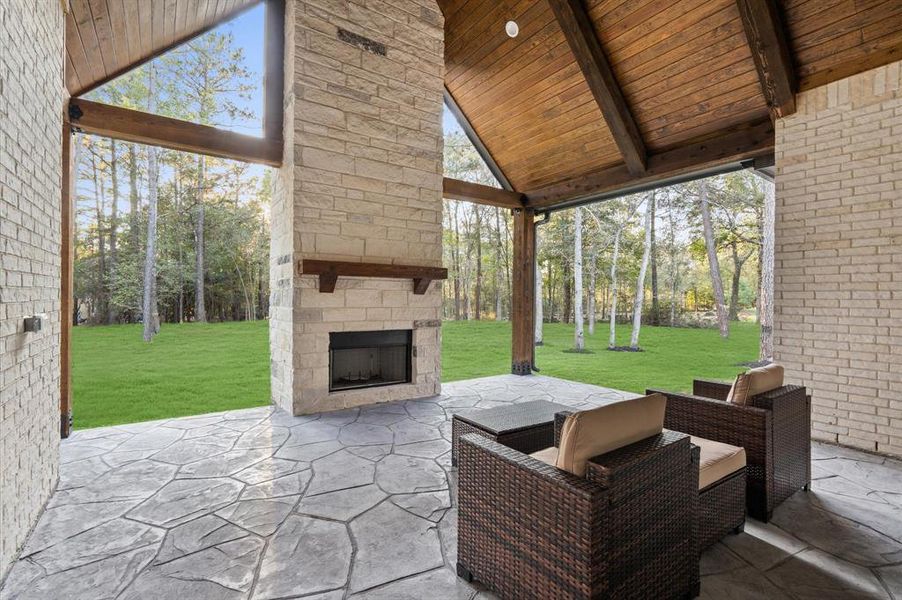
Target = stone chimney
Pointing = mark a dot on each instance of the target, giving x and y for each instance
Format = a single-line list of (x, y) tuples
[(361, 182)]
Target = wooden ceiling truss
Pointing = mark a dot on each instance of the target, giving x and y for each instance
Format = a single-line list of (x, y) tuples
[(635, 94)]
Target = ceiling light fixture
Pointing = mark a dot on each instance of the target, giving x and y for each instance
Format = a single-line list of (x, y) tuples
[(512, 29)]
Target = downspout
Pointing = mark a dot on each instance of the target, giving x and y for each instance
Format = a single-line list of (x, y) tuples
[(546, 217)]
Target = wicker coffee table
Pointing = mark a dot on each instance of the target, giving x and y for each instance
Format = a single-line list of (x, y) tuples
[(527, 426)]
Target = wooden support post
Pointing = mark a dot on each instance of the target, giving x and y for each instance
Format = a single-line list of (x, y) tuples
[(67, 268), (523, 292)]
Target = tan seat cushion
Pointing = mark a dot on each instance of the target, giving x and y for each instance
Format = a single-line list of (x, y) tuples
[(717, 460), (548, 455), (754, 382), (589, 433)]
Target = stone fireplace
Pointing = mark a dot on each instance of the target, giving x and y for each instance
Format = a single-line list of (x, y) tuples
[(361, 182)]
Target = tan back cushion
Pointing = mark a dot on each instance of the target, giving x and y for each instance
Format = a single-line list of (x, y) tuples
[(754, 382), (588, 433)]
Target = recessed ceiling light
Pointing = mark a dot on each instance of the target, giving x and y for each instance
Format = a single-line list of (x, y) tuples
[(512, 29)]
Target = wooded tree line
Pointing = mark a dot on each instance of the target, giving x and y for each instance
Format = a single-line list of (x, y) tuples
[(167, 236), (686, 255)]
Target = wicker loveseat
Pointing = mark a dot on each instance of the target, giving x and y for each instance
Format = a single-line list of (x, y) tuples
[(626, 529), (773, 427)]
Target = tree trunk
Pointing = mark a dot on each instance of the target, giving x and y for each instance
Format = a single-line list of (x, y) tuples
[(180, 307), (612, 336), (593, 280), (455, 255), (100, 210), (674, 264), (713, 266), (114, 223), (150, 316), (133, 198), (478, 292), (738, 263), (579, 342), (539, 336), (766, 308), (200, 312), (655, 303), (499, 272), (640, 281), (568, 291), (465, 287)]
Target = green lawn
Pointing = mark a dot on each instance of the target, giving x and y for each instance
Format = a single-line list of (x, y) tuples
[(188, 369), (193, 369), (672, 357)]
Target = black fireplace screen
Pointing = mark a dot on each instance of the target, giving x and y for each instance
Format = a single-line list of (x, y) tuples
[(359, 359)]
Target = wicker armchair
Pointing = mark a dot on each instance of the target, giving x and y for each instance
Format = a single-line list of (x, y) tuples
[(773, 427), (527, 529)]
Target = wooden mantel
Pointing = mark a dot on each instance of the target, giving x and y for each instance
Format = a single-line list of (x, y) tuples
[(330, 270)]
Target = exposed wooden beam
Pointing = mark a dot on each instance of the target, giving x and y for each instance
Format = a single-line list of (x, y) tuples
[(580, 33), (523, 292), (456, 189), (67, 272), (274, 69), (156, 130), (770, 50), (729, 147)]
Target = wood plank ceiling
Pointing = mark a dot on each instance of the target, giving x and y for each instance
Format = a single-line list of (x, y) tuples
[(105, 38), (684, 68)]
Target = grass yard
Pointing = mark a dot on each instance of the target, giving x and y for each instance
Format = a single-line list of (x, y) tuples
[(187, 370), (672, 357), (199, 368)]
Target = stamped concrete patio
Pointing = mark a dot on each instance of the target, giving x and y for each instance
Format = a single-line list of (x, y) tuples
[(360, 504)]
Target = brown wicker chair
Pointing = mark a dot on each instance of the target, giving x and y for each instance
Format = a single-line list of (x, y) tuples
[(527, 529), (773, 427), (721, 505)]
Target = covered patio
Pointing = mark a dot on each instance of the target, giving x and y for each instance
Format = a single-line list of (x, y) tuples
[(360, 503), (346, 490)]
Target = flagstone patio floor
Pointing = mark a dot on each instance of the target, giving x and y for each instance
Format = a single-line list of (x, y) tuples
[(360, 504)]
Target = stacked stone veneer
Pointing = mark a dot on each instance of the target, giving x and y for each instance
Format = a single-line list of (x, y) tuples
[(31, 105), (362, 181), (838, 257)]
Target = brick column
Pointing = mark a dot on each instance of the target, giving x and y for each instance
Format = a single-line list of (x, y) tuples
[(838, 257)]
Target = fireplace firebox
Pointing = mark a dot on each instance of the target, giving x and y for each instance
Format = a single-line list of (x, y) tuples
[(361, 359)]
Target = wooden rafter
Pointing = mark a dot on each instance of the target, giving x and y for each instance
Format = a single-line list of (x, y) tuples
[(728, 147), (580, 34), (770, 51), (455, 189), (145, 128)]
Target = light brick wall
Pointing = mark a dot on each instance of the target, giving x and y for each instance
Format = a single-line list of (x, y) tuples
[(365, 173), (838, 257), (31, 105)]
